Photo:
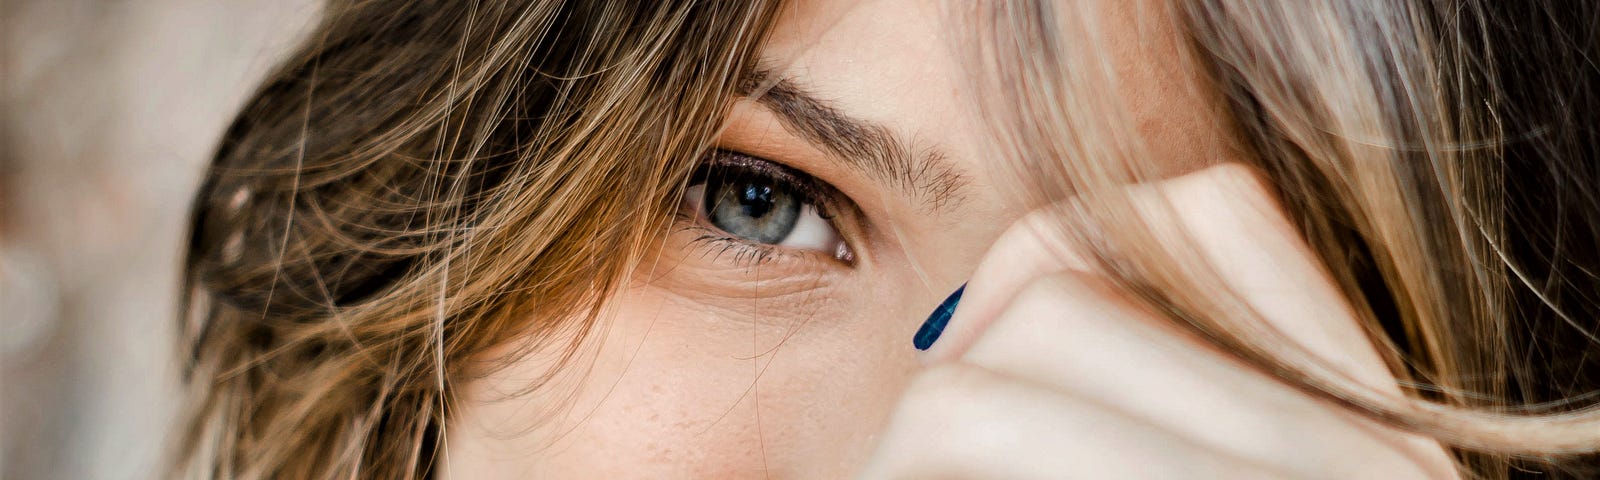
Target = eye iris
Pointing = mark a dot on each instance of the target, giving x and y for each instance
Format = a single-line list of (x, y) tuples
[(757, 200), (753, 209)]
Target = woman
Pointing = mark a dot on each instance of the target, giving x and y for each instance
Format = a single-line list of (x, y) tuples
[(535, 239)]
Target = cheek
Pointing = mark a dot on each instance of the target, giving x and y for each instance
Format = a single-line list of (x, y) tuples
[(698, 387)]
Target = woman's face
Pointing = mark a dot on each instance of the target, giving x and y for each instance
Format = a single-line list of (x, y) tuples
[(772, 336)]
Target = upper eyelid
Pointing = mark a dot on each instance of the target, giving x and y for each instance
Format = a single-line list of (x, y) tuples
[(814, 190)]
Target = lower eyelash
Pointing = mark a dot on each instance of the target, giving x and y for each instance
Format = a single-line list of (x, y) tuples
[(717, 244)]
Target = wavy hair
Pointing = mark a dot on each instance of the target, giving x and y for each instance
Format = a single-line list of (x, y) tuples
[(1439, 156), (413, 185), (426, 179)]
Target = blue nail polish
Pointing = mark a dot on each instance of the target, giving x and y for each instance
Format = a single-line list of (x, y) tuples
[(934, 326)]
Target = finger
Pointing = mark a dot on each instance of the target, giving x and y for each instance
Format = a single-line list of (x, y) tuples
[(1227, 216), (1030, 248), (1076, 334), (1231, 219), (961, 421)]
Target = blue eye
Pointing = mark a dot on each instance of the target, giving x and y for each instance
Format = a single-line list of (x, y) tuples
[(754, 209), (760, 202)]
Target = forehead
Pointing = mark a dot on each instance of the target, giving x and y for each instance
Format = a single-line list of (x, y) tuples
[(903, 63), (885, 61)]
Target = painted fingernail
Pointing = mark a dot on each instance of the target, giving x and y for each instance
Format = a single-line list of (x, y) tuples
[(934, 326)]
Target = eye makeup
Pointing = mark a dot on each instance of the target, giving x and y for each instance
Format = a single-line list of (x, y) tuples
[(755, 211)]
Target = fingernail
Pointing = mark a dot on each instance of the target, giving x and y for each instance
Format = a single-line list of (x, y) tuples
[(934, 326)]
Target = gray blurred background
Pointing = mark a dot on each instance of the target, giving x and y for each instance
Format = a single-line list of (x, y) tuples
[(108, 110)]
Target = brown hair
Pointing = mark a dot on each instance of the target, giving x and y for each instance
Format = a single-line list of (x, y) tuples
[(1437, 156), (426, 179), (421, 181)]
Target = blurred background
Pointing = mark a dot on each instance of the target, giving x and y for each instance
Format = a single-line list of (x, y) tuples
[(108, 111)]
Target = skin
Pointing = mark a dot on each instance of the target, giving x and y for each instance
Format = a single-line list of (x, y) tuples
[(1044, 354), (802, 366)]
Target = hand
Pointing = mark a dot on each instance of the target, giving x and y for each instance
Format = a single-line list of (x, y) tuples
[(1046, 371)]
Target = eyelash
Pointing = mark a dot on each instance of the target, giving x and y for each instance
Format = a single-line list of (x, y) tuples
[(716, 243)]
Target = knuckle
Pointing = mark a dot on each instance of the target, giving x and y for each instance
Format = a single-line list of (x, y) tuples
[(1038, 235), (1242, 182), (1248, 178), (1047, 290), (1057, 293)]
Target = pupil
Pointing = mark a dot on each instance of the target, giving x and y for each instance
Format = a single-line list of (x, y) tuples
[(757, 209), (756, 200)]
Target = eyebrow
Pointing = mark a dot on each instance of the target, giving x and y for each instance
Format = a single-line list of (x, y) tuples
[(924, 173)]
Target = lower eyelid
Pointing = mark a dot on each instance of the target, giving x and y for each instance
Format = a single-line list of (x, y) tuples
[(715, 245)]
